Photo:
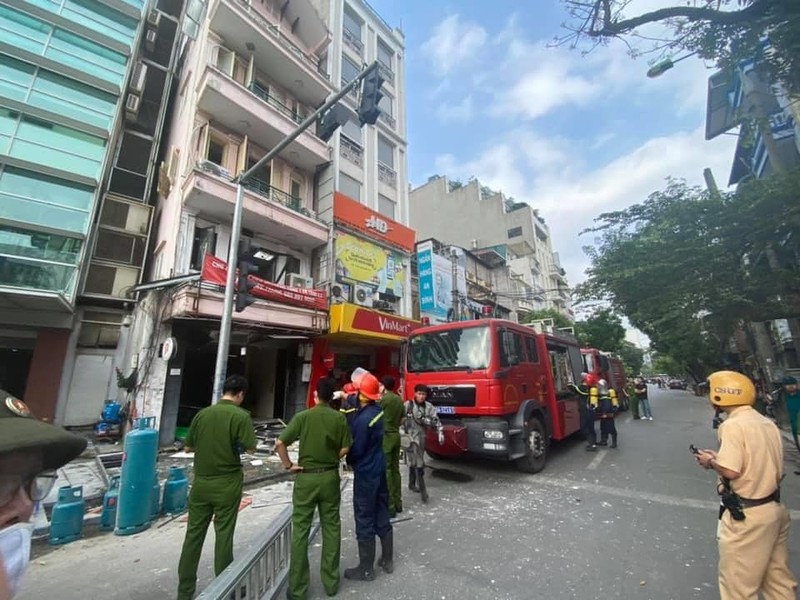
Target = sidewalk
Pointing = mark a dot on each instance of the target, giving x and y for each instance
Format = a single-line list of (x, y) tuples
[(141, 566)]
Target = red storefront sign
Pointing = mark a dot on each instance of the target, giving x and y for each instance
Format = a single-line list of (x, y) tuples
[(215, 271), (373, 224), (370, 320)]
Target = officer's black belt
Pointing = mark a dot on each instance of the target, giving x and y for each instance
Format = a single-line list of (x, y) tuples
[(750, 503), (320, 469)]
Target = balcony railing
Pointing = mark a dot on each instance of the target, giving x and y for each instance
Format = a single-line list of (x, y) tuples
[(387, 175), (266, 25), (264, 94), (388, 119), (351, 151), (386, 72), (353, 42), (262, 188), (354, 92)]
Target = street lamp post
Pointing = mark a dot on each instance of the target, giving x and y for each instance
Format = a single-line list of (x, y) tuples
[(221, 367)]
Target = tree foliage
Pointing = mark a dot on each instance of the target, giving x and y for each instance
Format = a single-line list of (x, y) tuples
[(632, 357), (688, 266), (559, 319), (603, 330), (723, 31)]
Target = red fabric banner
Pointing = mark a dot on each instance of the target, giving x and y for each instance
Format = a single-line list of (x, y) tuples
[(215, 271)]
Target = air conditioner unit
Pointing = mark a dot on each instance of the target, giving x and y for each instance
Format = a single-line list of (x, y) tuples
[(363, 294), (132, 103), (138, 78), (154, 18), (150, 38), (340, 293), (299, 281), (212, 167)]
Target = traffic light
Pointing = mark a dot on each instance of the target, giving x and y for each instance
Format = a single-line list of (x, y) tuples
[(336, 116), (371, 94), (246, 265)]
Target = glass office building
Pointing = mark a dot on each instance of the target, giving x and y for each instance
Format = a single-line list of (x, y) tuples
[(63, 66)]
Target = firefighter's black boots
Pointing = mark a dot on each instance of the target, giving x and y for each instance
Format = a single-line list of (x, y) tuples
[(366, 558)]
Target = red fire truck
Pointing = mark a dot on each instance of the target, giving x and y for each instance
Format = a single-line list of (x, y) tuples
[(500, 388), (604, 365)]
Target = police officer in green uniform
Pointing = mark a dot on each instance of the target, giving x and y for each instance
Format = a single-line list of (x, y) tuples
[(324, 439), (218, 435), (393, 415), (30, 452)]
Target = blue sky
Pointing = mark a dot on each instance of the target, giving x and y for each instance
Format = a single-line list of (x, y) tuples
[(572, 135)]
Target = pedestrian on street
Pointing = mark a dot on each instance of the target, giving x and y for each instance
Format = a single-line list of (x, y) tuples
[(606, 405), (420, 415), (370, 490), (754, 526), (324, 441), (218, 435), (586, 410), (644, 401), (393, 414), (30, 452)]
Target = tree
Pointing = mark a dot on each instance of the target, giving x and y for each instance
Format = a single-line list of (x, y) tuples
[(559, 319), (603, 330), (633, 358), (687, 266), (666, 365), (723, 31)]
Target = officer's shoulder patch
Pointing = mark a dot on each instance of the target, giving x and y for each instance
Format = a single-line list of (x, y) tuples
[(18, 407)]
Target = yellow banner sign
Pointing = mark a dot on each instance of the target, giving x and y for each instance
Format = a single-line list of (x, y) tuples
[(363, 262)]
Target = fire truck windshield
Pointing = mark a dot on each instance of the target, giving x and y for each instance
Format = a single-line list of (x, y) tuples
[(449, 350)]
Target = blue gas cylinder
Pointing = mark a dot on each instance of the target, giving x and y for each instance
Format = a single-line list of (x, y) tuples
[(109, 516), (155, 498), (175, 491), (136, 483), (111, 412), (66, 521)]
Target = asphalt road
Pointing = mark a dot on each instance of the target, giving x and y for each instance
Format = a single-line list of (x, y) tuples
[(635, 522)]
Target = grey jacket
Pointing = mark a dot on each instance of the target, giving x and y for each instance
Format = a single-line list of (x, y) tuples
[(418, 418)]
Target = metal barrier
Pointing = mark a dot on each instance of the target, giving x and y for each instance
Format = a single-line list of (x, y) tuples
[(260, 573)]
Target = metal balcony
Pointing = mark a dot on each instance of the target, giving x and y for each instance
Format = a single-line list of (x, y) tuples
[(351, 151), (387, 175), (264, 94), (352, 42)]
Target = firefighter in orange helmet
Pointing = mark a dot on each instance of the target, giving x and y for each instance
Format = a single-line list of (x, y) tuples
[(754, 525), (370, 489)]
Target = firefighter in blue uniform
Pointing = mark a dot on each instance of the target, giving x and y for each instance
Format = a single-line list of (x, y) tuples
[(370, 490)]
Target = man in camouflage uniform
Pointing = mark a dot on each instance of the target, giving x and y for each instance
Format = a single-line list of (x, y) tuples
[(420, 414)]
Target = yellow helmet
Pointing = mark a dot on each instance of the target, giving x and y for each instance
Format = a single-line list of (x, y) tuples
[(729, 388)]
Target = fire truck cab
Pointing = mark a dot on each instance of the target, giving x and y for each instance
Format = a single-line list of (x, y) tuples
[(501, 389)]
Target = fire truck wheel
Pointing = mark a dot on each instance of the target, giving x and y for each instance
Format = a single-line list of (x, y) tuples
[(535, 447)]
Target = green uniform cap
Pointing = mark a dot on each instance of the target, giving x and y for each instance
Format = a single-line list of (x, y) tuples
[(20, 430)]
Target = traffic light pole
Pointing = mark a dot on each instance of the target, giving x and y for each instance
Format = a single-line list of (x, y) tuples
[(223, 344)]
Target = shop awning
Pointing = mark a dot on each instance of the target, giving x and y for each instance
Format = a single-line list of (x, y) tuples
[(351, 321)]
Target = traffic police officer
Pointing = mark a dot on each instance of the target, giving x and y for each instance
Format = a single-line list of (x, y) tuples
[(324, 440), (753, 551), (30, 452), (370, 490), (393, 414), (218, 435)]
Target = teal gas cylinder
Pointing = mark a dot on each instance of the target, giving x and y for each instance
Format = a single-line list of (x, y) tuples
[(155, 498), (136, 483), (66, 521), (175, 491), (109, 516)]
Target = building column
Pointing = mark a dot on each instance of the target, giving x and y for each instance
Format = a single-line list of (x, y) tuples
[(44, 376)]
